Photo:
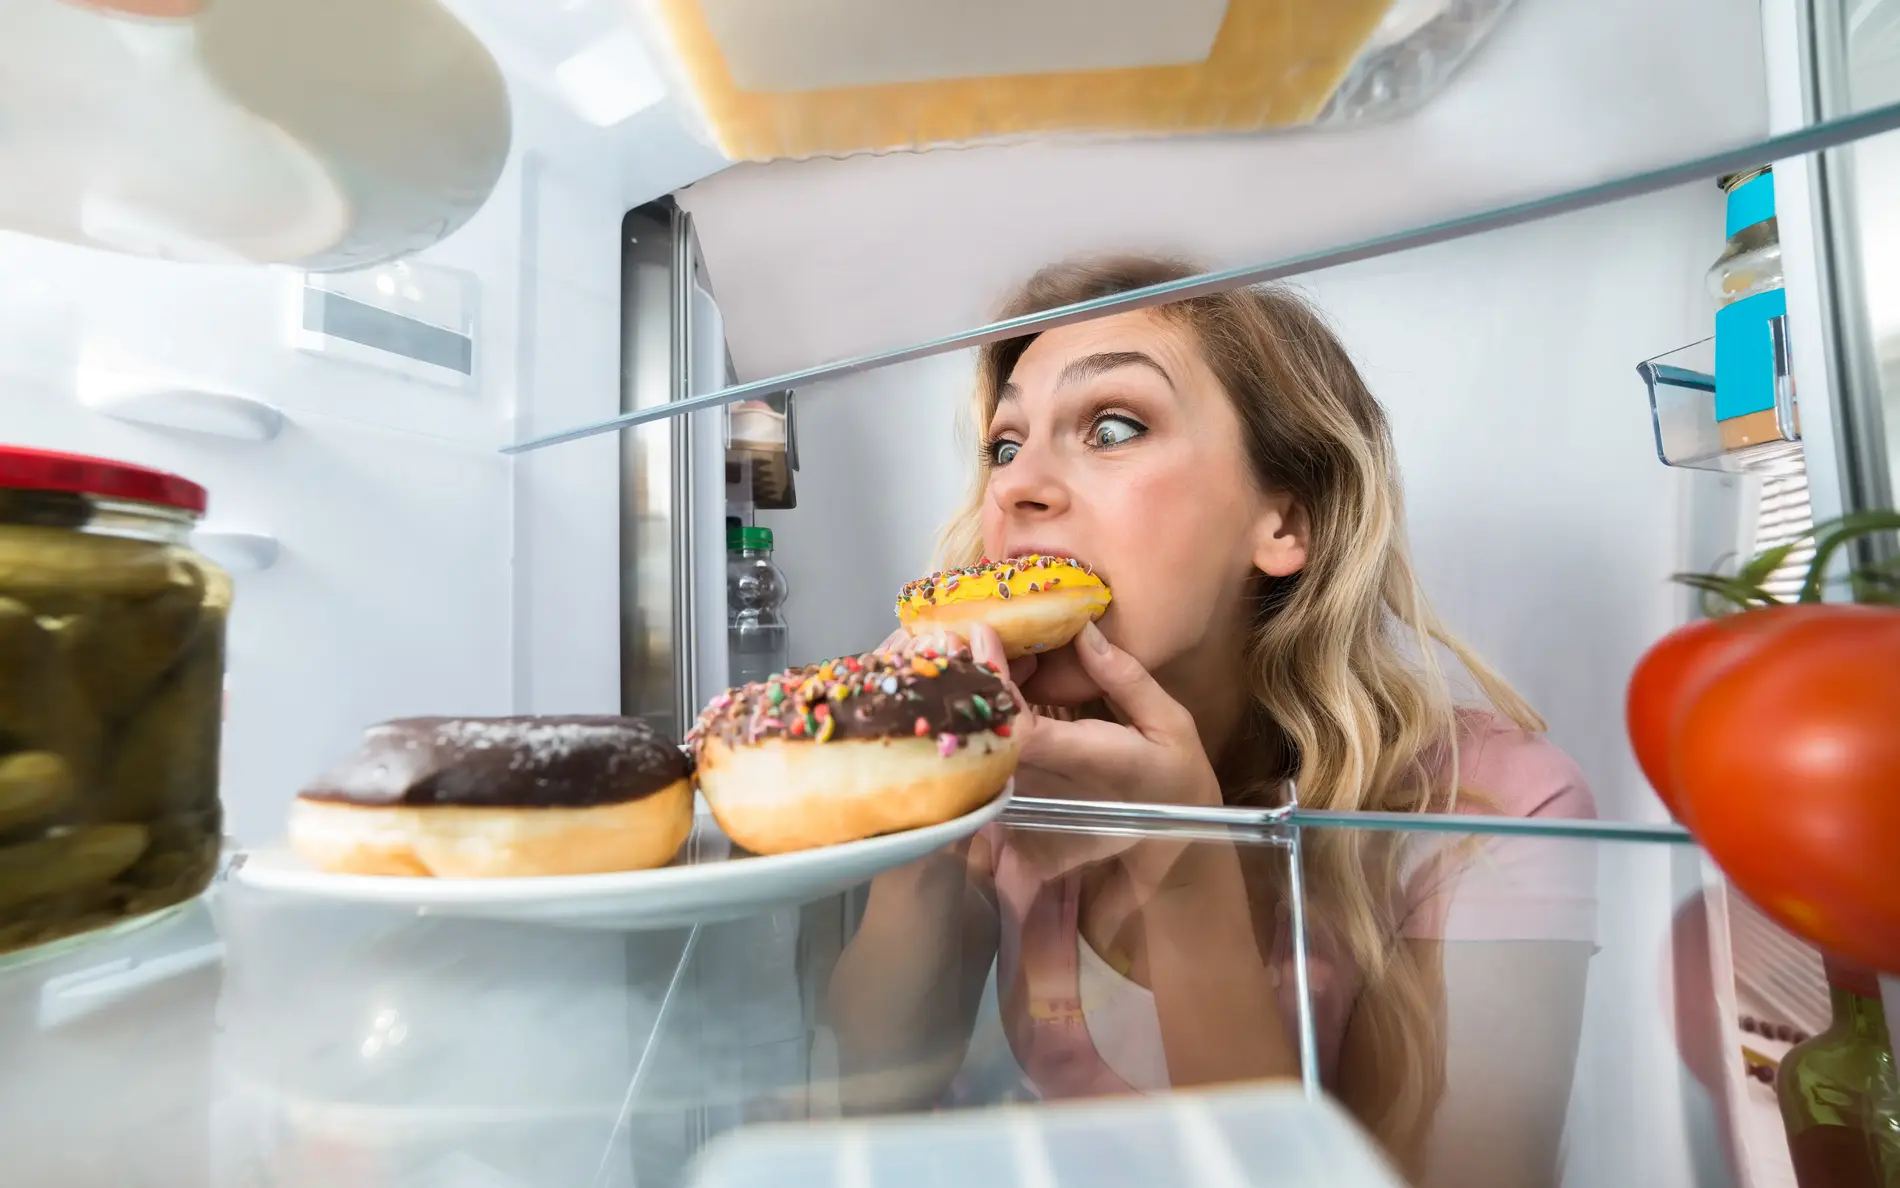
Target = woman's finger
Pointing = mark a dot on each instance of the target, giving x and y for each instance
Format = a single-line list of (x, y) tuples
[(1076, 751), (986, 647), (1131, 689), (904, 642)]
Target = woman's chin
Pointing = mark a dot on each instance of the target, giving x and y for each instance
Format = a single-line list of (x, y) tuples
[(1060, 680)]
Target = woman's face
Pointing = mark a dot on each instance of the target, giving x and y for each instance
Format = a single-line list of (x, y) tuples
[(1114, 443)]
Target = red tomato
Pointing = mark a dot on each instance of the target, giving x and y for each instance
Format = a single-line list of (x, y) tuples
[(1788, 764), (1674, 668)]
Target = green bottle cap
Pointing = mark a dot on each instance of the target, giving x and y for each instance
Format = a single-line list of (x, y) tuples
[(748, 538)]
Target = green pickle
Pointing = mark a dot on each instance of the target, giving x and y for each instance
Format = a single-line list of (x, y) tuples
[(42, 706), (111, 694), (34, 785), (165, 757)]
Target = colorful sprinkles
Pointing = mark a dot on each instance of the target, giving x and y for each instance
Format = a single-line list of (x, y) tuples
[(920, 693), (1031, 574)]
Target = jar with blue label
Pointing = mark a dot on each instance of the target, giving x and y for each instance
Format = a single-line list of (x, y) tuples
[(1753, 398)]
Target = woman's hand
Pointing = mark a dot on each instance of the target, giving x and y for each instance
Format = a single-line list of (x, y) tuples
[(1152, 752)]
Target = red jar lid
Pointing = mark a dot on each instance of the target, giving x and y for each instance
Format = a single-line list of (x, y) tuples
[(23, 469)]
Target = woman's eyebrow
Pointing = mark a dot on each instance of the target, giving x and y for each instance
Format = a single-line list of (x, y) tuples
[(1089, 366)]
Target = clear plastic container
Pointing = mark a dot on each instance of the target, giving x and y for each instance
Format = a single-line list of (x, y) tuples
[(1681, 387), (1751, 319), (755, 606)]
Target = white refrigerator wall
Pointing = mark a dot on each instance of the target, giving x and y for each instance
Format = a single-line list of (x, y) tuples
[(420, 571)]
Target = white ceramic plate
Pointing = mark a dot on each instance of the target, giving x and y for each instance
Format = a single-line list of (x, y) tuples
[(708, 881)]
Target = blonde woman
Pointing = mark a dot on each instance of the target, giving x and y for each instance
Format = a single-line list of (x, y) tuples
[(1221, 463)]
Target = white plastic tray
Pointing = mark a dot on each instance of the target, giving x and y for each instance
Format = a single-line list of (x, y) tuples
[(1259, 1137)]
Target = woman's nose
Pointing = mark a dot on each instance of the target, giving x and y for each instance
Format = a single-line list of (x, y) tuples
[(1029, 485)]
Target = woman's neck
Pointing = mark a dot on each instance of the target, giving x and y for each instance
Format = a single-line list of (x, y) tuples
[(1241, 744)]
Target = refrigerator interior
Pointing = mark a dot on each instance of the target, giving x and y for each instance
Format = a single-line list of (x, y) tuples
[(414, 570), (399, 564)]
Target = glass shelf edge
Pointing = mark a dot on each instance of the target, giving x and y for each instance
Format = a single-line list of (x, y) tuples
[(1120, 815), (1473, 823), (1123, 810), (1814, 138)]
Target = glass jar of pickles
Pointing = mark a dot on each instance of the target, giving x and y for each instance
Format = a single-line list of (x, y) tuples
[(111, 696)]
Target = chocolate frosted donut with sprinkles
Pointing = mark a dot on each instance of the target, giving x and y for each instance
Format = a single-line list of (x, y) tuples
[(855, 747), (1033, 603)]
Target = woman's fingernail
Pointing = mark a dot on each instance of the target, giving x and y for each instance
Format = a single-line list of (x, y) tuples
[(1094, 640)]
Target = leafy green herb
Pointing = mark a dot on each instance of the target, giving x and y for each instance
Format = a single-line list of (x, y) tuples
[(1747, 588)]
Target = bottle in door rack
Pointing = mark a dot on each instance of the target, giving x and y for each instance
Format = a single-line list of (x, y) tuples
[(755, 602), (1746, 282), (1840, 1092)]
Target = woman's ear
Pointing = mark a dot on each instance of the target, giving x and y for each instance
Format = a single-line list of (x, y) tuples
[(1280, 542)]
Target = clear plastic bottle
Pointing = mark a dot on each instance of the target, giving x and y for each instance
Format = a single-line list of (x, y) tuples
[(755, 606), (1750, 262), (1750, 406)]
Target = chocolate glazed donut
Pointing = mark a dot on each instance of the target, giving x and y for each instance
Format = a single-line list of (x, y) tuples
[(855, 747), (498, 797)]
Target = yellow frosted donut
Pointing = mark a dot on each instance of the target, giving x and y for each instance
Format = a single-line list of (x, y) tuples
[(1033, 603)]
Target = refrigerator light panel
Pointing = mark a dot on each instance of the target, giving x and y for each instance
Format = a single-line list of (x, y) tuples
[(415, 320)]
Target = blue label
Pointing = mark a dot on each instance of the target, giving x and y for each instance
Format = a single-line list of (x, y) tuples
[(1745, 354), (1751, 202)]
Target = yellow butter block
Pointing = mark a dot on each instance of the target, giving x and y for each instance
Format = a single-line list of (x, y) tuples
[(777, 79)]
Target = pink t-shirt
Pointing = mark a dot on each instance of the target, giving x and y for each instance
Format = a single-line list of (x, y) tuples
[(1078, 1028)]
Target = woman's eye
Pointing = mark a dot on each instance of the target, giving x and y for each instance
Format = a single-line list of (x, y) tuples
[(1114, 431), (1002, 453)]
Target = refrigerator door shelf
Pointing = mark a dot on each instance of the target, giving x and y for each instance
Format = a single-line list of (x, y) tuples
[(160, 405)]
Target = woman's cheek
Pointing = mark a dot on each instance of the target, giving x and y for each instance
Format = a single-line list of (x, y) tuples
[(991, 523), (1143, 626), (1163, 609)]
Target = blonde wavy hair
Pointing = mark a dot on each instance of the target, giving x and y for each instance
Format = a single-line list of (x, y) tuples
[(1344, 657)]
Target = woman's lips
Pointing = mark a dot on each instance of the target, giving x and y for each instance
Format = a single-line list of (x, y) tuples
[(1047, 550)]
